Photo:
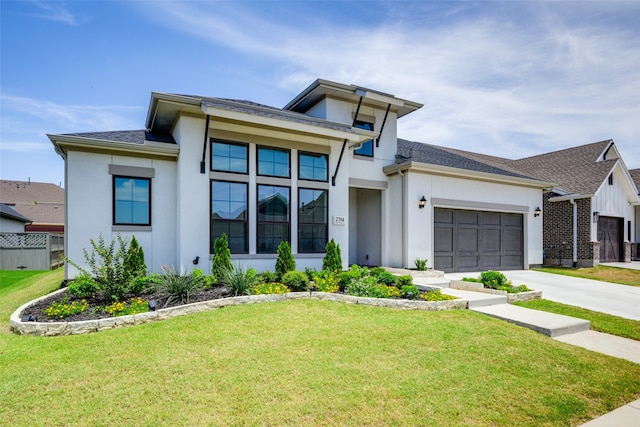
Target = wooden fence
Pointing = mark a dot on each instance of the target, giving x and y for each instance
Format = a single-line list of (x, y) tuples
[(31, 251)]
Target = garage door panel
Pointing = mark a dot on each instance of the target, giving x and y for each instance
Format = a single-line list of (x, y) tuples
[(443, 240), (468, 239), (444, 263), (512, 240), (491, 240), (443, 216), (467, 217), (491, 218)]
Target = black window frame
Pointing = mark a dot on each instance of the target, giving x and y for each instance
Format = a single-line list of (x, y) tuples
[(325, 224), (283, 150), (114, 200), (245, 222), (311, 154), (260, 222), (360, 124), (238, 144)]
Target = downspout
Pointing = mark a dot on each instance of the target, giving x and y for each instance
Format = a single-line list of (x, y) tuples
[(575, 231), (204, 145)]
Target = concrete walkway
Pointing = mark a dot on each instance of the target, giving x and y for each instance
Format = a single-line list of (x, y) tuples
[(633, 265)]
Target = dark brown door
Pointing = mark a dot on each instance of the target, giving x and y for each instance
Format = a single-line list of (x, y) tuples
[(477, 241), (610, 238)]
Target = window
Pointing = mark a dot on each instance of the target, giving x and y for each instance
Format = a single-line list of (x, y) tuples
[(131, 201), (229, 214), (367, 147), (273, 217), (229, 157), (273, 162), (312, 221), (313, 167), (611, 179)]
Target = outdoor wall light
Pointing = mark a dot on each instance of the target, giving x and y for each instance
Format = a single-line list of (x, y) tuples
[(596, 216), (153, 305), (422, 203), (537, 211)]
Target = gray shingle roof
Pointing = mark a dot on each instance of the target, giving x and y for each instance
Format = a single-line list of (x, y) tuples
[(635, 175), (435, 155), (7, 212), (130, 136), (41, 202)]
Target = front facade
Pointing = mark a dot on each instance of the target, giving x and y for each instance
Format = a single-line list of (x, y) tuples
[(327, 166)]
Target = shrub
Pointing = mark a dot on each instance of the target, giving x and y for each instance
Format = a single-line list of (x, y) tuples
[(369, 287), (285, 261), (238, 279), (421, 264), (175, 286), (267, 277), (133, 263), (410, 291), (122, 308), (83, 286), (404, 281), (310, 272), (471, 279), (222, 256), (332, 260), (269, 288), (493, 279), (326, 281), (522, 288), (385, 277), (346, 277), (436, 295), (64, 308), (297, 281), (205, 281), (144, 284)]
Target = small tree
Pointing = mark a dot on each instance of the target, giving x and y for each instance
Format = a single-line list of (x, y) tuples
[(222, 256), (285, 261), (134, 265), (332, 260)]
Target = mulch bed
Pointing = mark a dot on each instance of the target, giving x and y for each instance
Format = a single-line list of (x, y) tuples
[(96, 305)]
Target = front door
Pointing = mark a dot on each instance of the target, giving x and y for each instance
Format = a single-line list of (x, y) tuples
[(610, 238)]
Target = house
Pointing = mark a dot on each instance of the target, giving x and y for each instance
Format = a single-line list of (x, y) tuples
[(328, 165), (11, 221), (635, 248), (42, 202), (590, 215)]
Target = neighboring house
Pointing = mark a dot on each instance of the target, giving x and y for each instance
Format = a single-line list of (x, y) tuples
[(11, 221), (591, 214), (43, 203), (635, 248), (327, 165)]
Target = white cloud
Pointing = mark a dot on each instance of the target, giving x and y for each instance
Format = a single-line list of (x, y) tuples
[(57, 11)]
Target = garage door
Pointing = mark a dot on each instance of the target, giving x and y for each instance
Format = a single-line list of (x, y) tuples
[(610, 238), (477, 241)]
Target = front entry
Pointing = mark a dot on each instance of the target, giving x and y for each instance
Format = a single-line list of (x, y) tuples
[(610, 238), (365, 227)]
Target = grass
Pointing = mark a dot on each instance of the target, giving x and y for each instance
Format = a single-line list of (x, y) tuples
[(622, 276), (600, 322), (305, 362)]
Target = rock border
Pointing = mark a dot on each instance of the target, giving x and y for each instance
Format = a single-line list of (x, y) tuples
[(479, 287), (88, 326)]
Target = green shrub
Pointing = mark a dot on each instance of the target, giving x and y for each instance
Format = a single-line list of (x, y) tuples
[(107, 266), (285, 261), (326, 281), (221, 256), (522, 288), (421, 264), (175, 286), (369, 287), (346, 277), (144, 284), (297, 281), (436, 295), (238, 279), (205, 281), (410, 291), (267, 277), (133, 263), (310, 272), (64, 308), (332, 260), (493, 279), (404, 281), (83, 286), (385, 277), (269, 288)]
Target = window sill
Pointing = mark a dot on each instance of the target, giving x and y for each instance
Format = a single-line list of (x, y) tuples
[(131, 228)]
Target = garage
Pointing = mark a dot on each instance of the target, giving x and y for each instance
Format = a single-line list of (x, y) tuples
[(610, 234), (466, 240)]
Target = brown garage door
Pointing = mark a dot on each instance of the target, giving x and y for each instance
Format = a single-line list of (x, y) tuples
[(610, 238), (477, 241)]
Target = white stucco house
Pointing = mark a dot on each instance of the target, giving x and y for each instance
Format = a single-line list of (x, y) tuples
[(327, 165)]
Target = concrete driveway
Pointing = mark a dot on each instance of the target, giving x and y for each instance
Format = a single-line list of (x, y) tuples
[(610, 298)]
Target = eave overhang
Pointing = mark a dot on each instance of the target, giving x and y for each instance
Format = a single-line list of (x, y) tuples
[(574, 196), (64, 143), (465, 173)]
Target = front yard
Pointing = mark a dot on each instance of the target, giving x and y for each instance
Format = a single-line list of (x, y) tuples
[(622, 276), (303, 362)]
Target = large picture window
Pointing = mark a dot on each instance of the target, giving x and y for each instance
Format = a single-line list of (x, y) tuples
[(313, 167), (131, 201), (273, 162), (312, 220), (367, 147), (273, 217), (229, 214), (229, 157)]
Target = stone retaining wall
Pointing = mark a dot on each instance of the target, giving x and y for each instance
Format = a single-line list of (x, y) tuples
[(479, 287), (87, 326)]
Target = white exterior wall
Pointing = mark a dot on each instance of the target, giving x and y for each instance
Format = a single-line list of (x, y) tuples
[(89, 208), (8, 225), (469, 194), (613, 200)]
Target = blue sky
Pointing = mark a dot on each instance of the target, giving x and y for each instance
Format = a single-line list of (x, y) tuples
[(510, 79)]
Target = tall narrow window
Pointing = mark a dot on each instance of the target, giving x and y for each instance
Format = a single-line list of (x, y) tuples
[(367, 147), (313, 167), (131, 201), (229, 214), (229, 156), (273, 162), (611, 179), (273, 217), (312, 220)]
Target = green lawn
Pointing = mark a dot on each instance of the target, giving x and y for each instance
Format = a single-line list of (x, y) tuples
[(622, 276), (305, 362), (600, 322)]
